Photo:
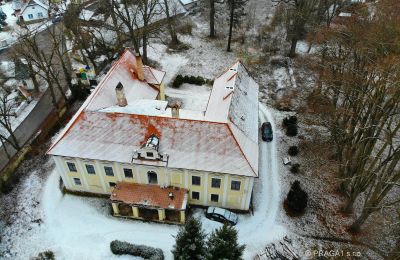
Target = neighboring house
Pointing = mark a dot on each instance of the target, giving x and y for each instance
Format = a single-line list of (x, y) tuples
[(34, 10), (188, 4), (155, 158)]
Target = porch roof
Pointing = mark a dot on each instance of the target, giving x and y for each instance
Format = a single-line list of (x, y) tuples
[(150, 196)]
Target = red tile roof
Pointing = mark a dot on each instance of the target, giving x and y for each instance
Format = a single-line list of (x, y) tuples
[(152, 196)]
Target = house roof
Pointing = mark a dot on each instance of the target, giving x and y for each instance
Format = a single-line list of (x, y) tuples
[(37, 2), (124, 71), (151, 196), (223, 139)]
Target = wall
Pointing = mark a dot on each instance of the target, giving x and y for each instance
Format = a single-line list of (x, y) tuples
[(34, 10), (100, 182)]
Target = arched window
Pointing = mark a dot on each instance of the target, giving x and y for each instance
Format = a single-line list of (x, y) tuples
[(152, 177)]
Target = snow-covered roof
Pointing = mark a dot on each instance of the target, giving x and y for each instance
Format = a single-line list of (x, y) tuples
[(234, 100), (190, 144), (124, 72), (223, 139), (32, 2), (86, 14), (186, 2)]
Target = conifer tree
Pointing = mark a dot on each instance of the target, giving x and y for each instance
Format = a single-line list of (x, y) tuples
[(190, 241), (223, 244)]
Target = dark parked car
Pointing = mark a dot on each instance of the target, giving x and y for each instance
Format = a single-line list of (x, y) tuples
[(221, 215), (266, 132)]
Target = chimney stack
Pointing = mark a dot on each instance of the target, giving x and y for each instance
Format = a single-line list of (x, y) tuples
[(175, 106), (119, 92), (139, 66)]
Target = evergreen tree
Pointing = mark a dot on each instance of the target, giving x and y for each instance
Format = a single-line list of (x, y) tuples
[(3, 17), (297, 198), (223, 244), (190, 241)]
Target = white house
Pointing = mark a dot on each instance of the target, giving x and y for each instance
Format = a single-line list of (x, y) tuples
[(34, 10)]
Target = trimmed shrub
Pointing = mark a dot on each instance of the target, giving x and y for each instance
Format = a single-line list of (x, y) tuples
[(292, 120), (291, 130), (295, 168), (146, 252), (293, 150), (179, 80), (46, 255), (297, 198)]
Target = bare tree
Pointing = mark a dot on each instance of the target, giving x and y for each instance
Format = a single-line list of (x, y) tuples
[(298, 14), (360, 74), (7, 112), (46, 63), (171, 25)]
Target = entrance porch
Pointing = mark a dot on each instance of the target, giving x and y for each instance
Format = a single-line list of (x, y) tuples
[(149, 202)]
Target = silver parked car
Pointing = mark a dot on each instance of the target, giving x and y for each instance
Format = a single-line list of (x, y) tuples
[(221, 215)]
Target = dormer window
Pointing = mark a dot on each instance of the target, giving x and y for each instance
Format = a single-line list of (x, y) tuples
[(149, 151)]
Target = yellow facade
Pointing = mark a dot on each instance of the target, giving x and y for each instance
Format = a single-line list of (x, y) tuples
[(205, 188)]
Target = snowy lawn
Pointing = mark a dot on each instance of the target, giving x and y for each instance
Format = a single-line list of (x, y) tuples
[(7, 34)]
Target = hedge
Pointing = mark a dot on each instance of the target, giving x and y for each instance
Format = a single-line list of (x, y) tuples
[(146, 252)]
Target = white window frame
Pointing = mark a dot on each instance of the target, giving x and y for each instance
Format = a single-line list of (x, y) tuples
[(240, 185), (215, 195), (191, 195), (125, 168), (192, 180), (220, 182), (75, 182)]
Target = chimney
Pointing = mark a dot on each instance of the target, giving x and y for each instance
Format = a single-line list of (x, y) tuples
[(139, 66), (119, 92), (175, 106)]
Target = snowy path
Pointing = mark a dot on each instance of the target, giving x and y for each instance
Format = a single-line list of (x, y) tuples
[(262, 228)]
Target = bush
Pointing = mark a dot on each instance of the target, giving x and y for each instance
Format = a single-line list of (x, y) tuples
[(291, 130), (297, 198), (295, 168), (292, 120), (179, 80), (46, 255), (293, 150), (146, 252), (185, 28)]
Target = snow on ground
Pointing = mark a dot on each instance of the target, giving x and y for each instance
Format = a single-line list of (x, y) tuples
[(82, 228), (193, 97), (11, 21)]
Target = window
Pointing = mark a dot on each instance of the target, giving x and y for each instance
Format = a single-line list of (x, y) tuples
[(195, 195), (196, 180), (214, 197), (71, 167), (30, 16), (152, 177), (112, 184), (149, 154), (128, 173), (77, 181), (215, 183), (40, 14), (109, 171), (90, 169), (235, 185)]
